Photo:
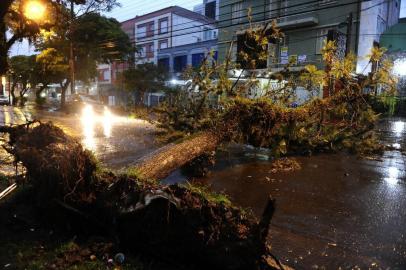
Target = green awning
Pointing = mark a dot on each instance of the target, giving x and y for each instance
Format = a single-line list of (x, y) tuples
[(394, 39)]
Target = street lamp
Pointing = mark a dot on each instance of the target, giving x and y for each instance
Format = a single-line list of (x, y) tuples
[(34, 10)]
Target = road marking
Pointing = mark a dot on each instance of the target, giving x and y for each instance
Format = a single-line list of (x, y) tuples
[(1, 117), (6, 116), (20, 116)]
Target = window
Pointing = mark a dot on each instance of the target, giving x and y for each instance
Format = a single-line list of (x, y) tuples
[(163, 44), (179, 63), (150, 29), (164, 63), (145, 30), (321, 37), (207, 33), (150, 50), (141, 31), (142, 51), (236, 13), (146, 50), (104, 75), (197, 59), (210, 10), (163, 26)]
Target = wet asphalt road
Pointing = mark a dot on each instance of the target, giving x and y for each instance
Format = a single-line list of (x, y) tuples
[(337, 211), (115, 140)]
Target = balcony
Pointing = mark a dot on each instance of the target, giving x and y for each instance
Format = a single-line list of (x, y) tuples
[(297, 21)]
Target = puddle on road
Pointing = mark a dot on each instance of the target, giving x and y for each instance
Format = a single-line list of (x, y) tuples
[(337, 211)]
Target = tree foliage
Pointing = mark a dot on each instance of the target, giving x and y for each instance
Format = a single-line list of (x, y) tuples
[(96, 39), (21, 72), (50, 68), (13, 20), (143, 78), (267, 119)]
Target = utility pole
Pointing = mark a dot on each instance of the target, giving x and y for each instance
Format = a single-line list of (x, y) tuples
[(349, 34), (72, 56)]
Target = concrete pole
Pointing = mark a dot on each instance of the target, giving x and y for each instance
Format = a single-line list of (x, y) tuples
[(72, 56), (349, 34)]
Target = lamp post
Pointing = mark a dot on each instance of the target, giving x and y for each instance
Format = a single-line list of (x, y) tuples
[(34, 10), (10, 76)]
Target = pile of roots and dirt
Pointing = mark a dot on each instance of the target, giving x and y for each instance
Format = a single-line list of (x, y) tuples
[(57, 165), (172, 223)]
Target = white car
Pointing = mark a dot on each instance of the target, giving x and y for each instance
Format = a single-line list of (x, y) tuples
[(4, 100)]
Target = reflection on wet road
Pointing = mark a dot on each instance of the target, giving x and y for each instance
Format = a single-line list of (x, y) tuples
[(10, 116), (116, 140), (337, 211)]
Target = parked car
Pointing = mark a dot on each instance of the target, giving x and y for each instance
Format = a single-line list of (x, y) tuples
[(4, 100)]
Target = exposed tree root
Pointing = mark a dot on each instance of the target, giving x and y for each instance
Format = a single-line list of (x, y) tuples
[(172, 223)]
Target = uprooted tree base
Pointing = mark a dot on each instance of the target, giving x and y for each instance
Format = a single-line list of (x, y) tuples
[(173, 223)]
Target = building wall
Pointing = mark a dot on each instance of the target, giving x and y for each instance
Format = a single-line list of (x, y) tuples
[(201, 48), (154, 38), (187, 31), (104, 74), (181, 31), (375, 19), (305, 26)]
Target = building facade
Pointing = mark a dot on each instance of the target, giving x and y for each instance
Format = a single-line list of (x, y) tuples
[(306, 24), (172, 37), (169, 28), (209, 8)]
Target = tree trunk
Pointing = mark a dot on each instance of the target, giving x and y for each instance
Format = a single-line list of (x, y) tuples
[(3, 48), (165, 160), (22, 98), (12, 93), (64, 87)]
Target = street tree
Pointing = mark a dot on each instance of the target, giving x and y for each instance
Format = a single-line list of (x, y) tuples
[(97, 39), (143, 78), (17, 24), (21, 70), (50, 67)]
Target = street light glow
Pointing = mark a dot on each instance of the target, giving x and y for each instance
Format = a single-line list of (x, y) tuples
[(34, 10), (399, 67)]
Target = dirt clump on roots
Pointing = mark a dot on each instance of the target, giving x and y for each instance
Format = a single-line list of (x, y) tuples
[(176, 224), (56, 164)]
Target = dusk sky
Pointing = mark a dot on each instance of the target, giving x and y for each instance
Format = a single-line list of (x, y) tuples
[(128, 10), (132, 8)]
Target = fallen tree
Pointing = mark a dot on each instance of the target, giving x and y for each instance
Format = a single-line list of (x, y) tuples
[(173, 223), (165, 160), (343, 121)]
